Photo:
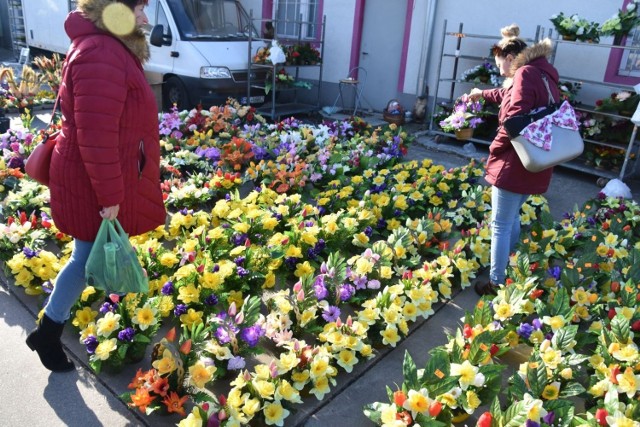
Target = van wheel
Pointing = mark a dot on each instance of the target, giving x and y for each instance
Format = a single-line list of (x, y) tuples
[(174, 92)]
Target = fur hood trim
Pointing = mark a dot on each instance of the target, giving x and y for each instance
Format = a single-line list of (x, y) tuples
[(538, 50), (136, 41)]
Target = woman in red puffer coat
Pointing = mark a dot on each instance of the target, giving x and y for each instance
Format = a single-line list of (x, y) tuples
[(106, 163), (524, 90)]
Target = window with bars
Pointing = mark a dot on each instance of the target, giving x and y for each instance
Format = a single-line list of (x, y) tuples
[(297, 18)]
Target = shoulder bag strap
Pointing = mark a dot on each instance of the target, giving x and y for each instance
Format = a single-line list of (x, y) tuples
[(546, 84), (55, 104)]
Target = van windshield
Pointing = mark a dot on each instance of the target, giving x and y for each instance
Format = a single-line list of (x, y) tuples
[(211, 19)]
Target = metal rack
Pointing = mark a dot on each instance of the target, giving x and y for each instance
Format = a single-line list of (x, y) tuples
[(16, 25), (276, 109), (633, 146)]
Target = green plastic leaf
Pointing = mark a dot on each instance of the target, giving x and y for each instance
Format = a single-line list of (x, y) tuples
[(620, 328), (572, 389), (611, 402), (516, 415), (410, 372), (479, 348), (564, 337), (536, 375), (518, 387), (373, 411), (561, 304), (438, 367)]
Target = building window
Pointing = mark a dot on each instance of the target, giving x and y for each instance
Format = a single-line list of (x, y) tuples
[(297, 19)]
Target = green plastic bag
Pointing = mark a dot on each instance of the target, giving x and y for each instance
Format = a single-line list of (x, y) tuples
[(113, 265)]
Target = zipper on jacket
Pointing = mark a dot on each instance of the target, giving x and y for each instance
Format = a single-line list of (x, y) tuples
[(141, 158)]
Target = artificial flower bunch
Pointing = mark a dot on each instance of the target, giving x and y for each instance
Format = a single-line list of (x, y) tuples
[(283, 79), (465, 114), (122, 332), (302, 54), (569, 90), (622, 22), (575, 27), (482, 73), (622, 102)]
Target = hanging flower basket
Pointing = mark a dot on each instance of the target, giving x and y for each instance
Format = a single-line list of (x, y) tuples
[(464, 134)]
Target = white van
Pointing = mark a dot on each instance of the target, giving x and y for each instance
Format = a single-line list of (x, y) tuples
[(199, 48)]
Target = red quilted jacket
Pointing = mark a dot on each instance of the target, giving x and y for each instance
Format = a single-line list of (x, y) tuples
[(108, 152), (525, 92)]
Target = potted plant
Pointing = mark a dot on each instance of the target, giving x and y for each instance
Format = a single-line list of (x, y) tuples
[(464, 118), (623, 103), (482, 73), (621, 23), (575, 27)]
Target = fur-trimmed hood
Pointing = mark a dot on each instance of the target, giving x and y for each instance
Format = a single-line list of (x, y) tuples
[(136, 41), (542, 49), (537, 55)]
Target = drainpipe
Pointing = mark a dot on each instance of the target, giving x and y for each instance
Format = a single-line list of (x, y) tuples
[(428, 41)]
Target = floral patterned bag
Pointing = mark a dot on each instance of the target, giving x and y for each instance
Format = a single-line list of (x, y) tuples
[(532, 135)]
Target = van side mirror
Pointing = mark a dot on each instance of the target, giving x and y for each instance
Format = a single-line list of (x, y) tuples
[(158, 38)]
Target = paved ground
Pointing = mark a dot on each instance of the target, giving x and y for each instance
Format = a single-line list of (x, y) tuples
[(32, 396)]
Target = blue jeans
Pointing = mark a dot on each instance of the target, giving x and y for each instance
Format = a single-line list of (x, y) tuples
[(69, 284), (505, 230)]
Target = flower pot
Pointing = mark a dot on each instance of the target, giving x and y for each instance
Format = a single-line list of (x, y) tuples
[(484, 79), (569, 37), (464, 134), (459, 416)]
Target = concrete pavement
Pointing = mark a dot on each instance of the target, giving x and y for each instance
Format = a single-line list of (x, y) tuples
[(32, 396)]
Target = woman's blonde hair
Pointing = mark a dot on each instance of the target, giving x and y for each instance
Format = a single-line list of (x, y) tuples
[(510, 44)]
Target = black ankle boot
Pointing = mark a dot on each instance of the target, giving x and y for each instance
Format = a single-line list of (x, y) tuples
[(45, 340)]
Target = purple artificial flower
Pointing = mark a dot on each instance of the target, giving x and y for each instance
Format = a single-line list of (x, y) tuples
[(525, 330), (239, 260), (108, 307), (252, 334), (346, 291), (92, 343), (555, 272), (319, 288), (531, 423), (242, 272), (126, 334), (180, 309), (28, 252), (210, 153), (222, 334), (236, 363), (331, 313), (167, 288), (537, 324), (549, 418), (211, 300)]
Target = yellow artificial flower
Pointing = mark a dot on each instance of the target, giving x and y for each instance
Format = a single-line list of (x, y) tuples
[(105, 348), (200, 374), (274, 414), (145, 317), (84, 317), (109, 323)]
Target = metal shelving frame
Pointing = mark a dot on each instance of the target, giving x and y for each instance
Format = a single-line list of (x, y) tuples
[(632, 147), (275, 110)]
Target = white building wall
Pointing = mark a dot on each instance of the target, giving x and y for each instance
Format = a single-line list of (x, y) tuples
[(484, 17)]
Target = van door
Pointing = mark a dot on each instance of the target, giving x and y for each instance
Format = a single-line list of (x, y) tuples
[(162, 58)]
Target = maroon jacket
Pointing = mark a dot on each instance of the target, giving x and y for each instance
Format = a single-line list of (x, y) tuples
[(108, 153), (525, 92)]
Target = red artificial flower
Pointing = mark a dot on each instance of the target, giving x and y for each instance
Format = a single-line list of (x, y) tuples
[(601, 416), (399, 397), (435, 408), (485, 420)]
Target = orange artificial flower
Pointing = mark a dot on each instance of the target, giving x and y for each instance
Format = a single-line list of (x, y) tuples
[(175, 403), (141, 399), (160, 386)]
